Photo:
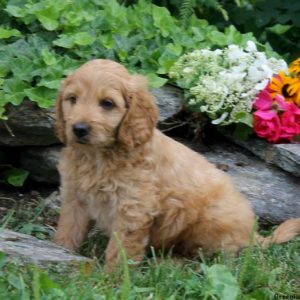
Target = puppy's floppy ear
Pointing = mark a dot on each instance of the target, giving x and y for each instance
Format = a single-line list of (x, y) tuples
[(140, 120), (60, 122)]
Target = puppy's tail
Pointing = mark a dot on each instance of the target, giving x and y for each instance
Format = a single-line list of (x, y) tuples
[(284, 233)]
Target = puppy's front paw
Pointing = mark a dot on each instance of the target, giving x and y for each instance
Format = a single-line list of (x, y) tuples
[(65, 243)]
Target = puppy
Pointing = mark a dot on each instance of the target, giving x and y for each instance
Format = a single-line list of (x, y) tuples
[(141, 187)]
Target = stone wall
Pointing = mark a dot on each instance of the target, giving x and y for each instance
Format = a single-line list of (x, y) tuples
[(269, 178)]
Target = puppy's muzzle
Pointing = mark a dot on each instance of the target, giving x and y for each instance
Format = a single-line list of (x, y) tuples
[(81, 131)]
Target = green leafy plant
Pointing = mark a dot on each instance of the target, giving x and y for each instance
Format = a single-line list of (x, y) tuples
[(9, 174), (219, 282), (274, 22), (16, 176), (43, 41)]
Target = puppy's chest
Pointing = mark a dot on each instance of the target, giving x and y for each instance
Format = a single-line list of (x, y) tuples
[(102, 198), (98, 186)]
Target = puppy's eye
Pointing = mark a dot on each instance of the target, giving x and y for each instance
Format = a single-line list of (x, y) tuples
[(107, 104), (72, 99)]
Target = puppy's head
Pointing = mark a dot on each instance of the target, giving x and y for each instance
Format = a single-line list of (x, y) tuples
[(102, 104)]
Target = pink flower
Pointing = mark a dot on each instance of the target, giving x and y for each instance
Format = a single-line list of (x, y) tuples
[(264, 101), (290, 121), (283, 105), (267, 125)]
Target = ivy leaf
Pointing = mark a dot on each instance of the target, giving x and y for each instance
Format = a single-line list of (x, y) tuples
[(156, 81), (83, 39), (48, 57), (163, 20), (233, 36), (15, 11), (279, 29), (7, 33), (217, 38), (65, 41), (14, 90), (169, 57), (107, 41), (51, 84), (44, 96), (22, 68), (48, 23), (4, 67), (16, 177)]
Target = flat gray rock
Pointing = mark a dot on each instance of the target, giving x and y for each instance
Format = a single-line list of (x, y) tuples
[(29, 125), (273, 193), (32, 250), (285, 156)]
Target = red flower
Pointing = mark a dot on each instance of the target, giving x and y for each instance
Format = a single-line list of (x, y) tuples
[(267, 125), (290, 121)]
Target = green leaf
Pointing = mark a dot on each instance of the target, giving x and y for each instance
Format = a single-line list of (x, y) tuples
[(2, 259), (217, 38), (14, 90), (169, 57), (279, 29), (44, 96), (15, 11), (220, 282), (22, 67), (233, 36), (163, 20), (4, 67), (2, 111), (65, 41), (48, 57), (48, 23), (156, 81), (47, 284), (16, 177), (7, 33), (107, 41), (51, 84), (83, 39), (245, 118), (15, 281)]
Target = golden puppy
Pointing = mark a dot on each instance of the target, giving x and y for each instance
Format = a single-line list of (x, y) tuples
[(121, 172)]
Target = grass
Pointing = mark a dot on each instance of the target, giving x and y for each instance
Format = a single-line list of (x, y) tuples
[(254, 274)]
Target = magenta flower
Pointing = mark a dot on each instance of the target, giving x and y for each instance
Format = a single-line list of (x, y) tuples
[(290, 122), (267, 125), (264, 101)]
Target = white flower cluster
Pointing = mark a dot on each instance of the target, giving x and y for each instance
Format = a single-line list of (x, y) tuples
[(224, 83)]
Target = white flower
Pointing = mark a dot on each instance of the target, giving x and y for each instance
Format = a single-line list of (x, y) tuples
[(261, 85), (251, 47), (234, 53), (188, 70), (223, 83)]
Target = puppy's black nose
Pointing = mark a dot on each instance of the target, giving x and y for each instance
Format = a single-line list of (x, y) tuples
[(81, 129)]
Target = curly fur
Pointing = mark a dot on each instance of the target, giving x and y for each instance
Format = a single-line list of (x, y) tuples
[(134, 181)]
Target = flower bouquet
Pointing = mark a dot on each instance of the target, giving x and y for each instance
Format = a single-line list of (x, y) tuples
[(277, 115), (244, 88)]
